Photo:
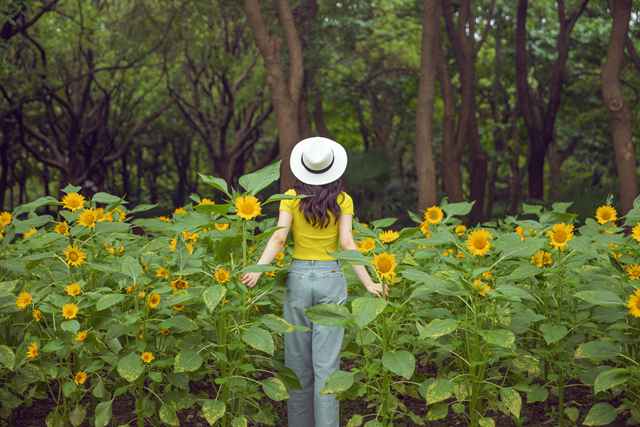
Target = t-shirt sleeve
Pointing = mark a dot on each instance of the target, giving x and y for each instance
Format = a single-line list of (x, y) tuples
[(346, 204), (287, 205)]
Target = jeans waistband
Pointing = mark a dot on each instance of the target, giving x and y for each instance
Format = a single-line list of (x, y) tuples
[(314, 264)]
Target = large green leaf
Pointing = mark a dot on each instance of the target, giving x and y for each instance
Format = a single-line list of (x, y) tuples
[(102, 414), (259, 339), (598, 350), (256, 181), (329, 314), (275, 389), (600, 414), (600, 297), (512, 400), (168, 414), (187, 361), (215, 182), (611, 378), (130, 367), (437, 328), (77, 415), (213, 410), (337, 382), (499, 337), (109, 300), (399, 362), (212, 296), (366, 309), (7, 357), (277, 324), (553, 333), (458, 209), (439, 390)]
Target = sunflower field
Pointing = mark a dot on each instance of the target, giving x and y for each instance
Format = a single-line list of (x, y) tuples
[(504, 323)]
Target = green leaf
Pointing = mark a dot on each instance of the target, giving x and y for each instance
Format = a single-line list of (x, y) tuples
[(168, 414), (33, 206), (212, 296), (383, 223), (105, 198), (514, 293), (259, 339), (512, 400), (131, 267), (275, 389), (458, 209), (217, 183), (499, 337), (256, 181), (553, 333), (437, 328), (599, 297), (277, 324), (213, 410), (337, 382), (611, 378), (351, 256), (366, 309), (598, 350), (355, 421), (600, 414), (103, 414), (439, 411), (7, 357), (329, 314), (522, 272), (141, 208), (240, 421), (572, 413), (399, 362), (279, 197), (77, 415), (107, 301), (187, 361), (486, 422), (69, 188), (72, 326), (439, 390), (537, 393), (130, 367), (180, 323)]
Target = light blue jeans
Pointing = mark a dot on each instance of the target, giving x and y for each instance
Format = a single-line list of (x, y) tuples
[(314, 355)]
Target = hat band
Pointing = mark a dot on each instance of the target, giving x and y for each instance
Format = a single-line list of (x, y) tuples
[(321, 170)]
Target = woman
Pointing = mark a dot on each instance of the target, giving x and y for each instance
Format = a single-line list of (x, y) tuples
[(318, 222)]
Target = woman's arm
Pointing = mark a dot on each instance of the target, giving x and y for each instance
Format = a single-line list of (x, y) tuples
[(347, 242), (274, 245)]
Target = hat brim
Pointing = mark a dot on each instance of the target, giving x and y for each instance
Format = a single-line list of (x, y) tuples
[(337, 168)]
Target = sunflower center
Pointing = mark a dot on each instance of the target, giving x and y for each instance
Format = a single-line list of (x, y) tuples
[(479, 243), (73, 256), (560, 236), (384, 265)]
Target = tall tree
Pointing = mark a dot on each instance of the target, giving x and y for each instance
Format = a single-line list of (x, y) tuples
[(619, 113), (425, 167), (540, 115), (286, 88)]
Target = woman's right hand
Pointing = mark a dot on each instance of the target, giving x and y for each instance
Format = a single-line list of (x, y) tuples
[(378, 289)]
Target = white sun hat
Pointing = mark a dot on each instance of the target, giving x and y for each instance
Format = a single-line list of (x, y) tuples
[(318, 160)]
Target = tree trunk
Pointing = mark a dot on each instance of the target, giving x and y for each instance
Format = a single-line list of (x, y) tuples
[(619, 114), (425, 167), (285, 89)]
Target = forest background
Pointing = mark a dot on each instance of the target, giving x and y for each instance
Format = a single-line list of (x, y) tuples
[(496, 101)]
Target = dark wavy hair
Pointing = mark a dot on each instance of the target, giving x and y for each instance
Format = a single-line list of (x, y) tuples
[(322, 200)]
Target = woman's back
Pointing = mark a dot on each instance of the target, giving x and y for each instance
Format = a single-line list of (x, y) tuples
[(314, 242)]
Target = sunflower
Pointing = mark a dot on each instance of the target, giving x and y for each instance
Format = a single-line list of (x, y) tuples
[(633, 304), (542, 259), (73, 201), (23, 300), (32, 351), (635, 232), (81, 336), (189, 236), (385, 264), (479, 242), (633, 271), (173, 243), (221, 226), (100, 214), (520, 232), (147, 357), (154, 300), (388, 236), (205, 202), (75, 256), (424, 227), (80, 377), (178, 307), (560, 234), (142, 294), (180, 211), (222, 275), (482, 288), (5, 218), (606, 213), (460, 255), (73, 289), (280, 259), (30, 232), (162, 273), (88, 218), (62, 228), (189, 247), (120, 212), (69, 311), (165, 331), (433, 215), (487, 275), (164, 218), (179, 284), (37, 314), (460, 229), (247, 207), (366, 245)]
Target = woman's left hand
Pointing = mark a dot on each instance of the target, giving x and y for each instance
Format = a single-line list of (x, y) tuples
[(250, 279)]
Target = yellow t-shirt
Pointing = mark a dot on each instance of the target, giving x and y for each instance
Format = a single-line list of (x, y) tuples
[(311, 242)]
